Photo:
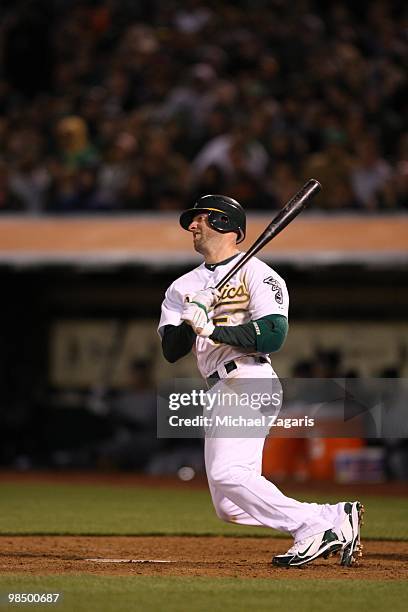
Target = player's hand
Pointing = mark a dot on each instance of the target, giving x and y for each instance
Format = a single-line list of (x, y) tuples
[(195, 315), (207, 297)]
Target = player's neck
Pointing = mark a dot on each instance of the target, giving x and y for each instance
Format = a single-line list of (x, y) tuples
[(221, 253)]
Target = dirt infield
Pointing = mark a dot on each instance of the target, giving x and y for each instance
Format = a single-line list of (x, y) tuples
[(188, 556)]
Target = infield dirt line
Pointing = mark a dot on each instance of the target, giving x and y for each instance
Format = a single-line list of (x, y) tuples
[(216, 556)]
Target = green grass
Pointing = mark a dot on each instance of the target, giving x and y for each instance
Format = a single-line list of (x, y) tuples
[(95, 509), (83, 593), (106, 510)]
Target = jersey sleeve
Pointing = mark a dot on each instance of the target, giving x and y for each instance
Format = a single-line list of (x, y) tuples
[(268, 292), (171, 309)]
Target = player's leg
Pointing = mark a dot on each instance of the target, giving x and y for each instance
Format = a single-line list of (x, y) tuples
[(228, 511), (234, 464), (234, 470), (231, 473)]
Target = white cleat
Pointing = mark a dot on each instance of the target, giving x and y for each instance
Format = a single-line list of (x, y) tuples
[(321, 545)]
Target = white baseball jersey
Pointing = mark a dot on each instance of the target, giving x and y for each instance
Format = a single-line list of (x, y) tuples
[(253, 292)]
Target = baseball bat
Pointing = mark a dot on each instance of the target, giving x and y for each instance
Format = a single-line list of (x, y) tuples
[(282, 219)]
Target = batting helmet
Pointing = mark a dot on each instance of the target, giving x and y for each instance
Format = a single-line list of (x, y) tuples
[(224, 215)]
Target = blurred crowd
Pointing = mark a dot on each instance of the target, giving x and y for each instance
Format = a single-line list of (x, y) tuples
[(117, 105)]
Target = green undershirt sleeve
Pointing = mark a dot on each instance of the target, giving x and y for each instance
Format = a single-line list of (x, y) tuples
[(177, 341), (265, 335)]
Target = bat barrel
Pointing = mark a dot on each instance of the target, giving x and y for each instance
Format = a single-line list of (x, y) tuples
[(293, 207), (282, 219)]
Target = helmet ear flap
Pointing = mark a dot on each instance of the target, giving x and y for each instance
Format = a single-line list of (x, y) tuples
[(221, 222)]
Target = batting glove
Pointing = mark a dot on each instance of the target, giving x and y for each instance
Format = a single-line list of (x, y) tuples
[(207, 297), (207, 330), (195, 315)]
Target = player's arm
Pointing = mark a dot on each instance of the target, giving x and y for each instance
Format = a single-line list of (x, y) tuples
[(177, 341), (265, 335), (177, 338), (267, 330)]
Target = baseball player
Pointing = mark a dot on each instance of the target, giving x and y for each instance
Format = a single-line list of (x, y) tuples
[(232, 333)]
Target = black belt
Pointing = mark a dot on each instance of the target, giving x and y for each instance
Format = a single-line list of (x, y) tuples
[(230, 366)]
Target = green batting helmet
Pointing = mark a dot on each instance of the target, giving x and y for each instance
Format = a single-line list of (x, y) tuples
[(224, 215)]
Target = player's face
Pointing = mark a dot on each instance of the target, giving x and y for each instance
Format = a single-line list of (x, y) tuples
[(203, 233)]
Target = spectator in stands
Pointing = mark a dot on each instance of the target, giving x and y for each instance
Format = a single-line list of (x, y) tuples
[(161, 170), (74, 148), (401, 185), (134, 195), (9, 200), (332, 166), (30, 180), (212, 180), (192, 101), (370, 175), (400, 181), (232, 153), (281, 184), (76, 190), (116, 170)]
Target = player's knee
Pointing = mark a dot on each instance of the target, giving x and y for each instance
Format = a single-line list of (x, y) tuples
[(221, 511)]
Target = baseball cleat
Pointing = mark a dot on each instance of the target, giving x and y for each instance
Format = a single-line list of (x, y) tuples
[(304, 551), (349, 533)]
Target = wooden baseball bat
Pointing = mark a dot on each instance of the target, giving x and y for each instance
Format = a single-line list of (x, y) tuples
[(282, 219)]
